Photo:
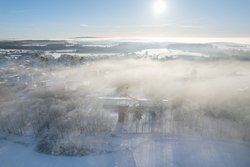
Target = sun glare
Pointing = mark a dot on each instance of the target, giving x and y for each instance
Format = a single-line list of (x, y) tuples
[(159, 7)]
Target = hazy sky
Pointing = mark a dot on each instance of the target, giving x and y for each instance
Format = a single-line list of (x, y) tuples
[(70, 18)]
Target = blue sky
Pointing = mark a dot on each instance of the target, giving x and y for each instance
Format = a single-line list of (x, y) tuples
[(41, 19)]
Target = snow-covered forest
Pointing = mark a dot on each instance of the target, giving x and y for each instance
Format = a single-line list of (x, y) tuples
[(66, 102)]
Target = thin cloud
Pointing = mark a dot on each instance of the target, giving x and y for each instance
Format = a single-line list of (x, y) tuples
[(148, 26), (126, 26), (84, 25), (20, 11), (192, 26)]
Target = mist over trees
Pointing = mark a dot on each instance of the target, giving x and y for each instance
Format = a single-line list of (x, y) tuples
[(59, 102)]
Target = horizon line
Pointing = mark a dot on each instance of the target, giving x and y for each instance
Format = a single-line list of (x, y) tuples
[(240, 40)]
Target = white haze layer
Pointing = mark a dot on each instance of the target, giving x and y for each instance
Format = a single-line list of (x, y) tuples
[(60, 104)]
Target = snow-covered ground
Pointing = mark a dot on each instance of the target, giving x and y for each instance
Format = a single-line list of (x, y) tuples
[(125, 104), (175, 54), (139, 151)]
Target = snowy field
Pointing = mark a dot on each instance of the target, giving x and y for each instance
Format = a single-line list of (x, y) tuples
[(124, 103), (138, 151)]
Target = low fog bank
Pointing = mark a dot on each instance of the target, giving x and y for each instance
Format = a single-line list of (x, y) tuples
[(61, 105)]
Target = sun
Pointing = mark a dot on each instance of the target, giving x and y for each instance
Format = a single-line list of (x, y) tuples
[(159, 6)]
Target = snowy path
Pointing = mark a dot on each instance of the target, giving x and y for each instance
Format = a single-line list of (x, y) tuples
[(141, 151)]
